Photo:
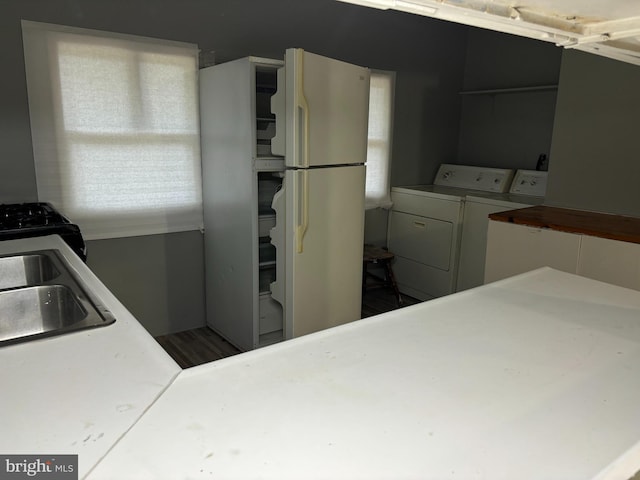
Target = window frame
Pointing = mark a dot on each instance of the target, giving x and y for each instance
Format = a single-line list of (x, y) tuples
[(381, 196), (51, 142)]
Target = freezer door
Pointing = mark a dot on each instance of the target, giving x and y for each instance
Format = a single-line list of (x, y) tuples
[(324, 230), (326, 111)]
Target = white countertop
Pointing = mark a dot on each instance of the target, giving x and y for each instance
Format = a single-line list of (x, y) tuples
[(534, 377), (78, 393)]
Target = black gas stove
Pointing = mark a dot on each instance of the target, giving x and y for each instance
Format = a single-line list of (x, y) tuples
[(22, 220)]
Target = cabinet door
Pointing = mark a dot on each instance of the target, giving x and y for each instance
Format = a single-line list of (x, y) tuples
[(514, 249), (610, 261)]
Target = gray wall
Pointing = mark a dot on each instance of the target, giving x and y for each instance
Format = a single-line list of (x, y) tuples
[(159, 278), (590, 136), (501, 130), (595, 158), (507, 130)]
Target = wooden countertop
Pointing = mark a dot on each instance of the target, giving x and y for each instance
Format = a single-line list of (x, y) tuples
[(615, 227)]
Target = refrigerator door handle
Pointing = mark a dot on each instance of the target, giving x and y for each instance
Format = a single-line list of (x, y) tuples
[(302, 221), (302, 112)]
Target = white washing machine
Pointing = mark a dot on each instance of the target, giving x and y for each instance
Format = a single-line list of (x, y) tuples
[(425, 226), (527, 189)]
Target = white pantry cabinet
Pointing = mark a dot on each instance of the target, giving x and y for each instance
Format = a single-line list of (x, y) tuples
[(598, 246)]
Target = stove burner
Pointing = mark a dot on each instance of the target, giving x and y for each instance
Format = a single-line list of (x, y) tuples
[(29, 215), (20, 220)]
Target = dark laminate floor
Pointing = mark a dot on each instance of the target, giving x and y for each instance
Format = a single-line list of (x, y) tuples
[(203, 345), (197, 346)]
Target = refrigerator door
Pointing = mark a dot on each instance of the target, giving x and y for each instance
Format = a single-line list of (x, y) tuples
[(322, 110), (324, 229)]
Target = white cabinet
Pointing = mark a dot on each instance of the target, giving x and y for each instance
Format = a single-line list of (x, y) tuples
[(240, 178), (610, 261), (513, 249)]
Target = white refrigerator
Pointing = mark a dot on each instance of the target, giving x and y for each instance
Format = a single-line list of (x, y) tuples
[(297, 147), (321, 108)]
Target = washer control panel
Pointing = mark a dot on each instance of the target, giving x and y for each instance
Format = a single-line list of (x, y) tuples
[(475, 178), (529, 182)]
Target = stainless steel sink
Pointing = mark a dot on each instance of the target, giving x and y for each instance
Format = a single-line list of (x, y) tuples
[(40, 295), (35, 310), (25, 270)]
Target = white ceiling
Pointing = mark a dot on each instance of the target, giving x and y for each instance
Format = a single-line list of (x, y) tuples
[(605, 27)]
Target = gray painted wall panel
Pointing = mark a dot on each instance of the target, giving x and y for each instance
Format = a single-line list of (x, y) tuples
[(507, 130), (595, 156), (159, 278)]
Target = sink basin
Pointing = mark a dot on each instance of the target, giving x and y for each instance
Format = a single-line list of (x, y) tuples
[(40, 295), (25, 270), (36, 310)]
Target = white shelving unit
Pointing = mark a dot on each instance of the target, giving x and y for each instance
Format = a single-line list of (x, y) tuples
[(240, 177)]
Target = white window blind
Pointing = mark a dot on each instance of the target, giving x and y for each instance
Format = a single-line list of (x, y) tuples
[(115, 129), (380, 135)]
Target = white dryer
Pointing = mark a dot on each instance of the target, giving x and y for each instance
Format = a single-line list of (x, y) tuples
[(425, 226), (527, 189)]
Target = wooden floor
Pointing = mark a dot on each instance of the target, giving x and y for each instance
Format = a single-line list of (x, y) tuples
[(203, 345), (194, 347)]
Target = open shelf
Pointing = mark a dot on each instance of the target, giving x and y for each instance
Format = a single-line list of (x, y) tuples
[(500, 91)]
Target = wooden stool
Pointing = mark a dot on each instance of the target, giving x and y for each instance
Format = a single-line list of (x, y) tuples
[(379, 256)]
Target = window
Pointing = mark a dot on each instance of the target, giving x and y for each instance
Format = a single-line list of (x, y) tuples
[(115, 129), (380, 133)]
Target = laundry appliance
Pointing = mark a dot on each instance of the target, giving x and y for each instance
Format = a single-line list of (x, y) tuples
[(425, 226), (528, 188)]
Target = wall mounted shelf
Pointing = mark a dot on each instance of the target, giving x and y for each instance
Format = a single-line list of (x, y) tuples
[(500, 91)]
